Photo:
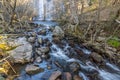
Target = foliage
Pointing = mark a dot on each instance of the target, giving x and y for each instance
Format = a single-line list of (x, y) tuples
[(114, 42)]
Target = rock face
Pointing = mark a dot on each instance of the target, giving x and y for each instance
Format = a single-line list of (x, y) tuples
[(55, 75), (22, 53), (58, 32), (31, 69)]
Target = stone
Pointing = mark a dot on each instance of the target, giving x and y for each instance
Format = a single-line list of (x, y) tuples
[(31, 69), (58, 32), (31, 39), (40, 40), (38, 60), (34, 34), (44, 49), (42, 32), (67, 76), (23, 53), (55, 75), (96, 57), (74, 67), (77, 77), (38, 52)]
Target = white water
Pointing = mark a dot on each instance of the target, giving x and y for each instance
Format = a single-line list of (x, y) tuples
[(45, 9), (41, 9)]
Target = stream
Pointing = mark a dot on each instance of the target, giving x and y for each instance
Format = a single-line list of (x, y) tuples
[(62, 54)]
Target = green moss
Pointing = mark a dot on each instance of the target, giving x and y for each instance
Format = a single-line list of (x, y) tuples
[(114, 42)]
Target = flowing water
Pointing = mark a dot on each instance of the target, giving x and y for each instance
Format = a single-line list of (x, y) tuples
[(62, 55)]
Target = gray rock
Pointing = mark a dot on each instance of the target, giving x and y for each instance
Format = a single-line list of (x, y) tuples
[(31, 69), (38, 52), (22, 53), (74, 67), (40, 40), (55, 75), (34, 34), (58, 32), (31, 39), (44, 49), (38, 60)]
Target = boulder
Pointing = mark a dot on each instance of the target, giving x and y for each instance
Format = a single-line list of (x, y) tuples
[(58, 32), (31, 69), (55, 75), (23, 52)]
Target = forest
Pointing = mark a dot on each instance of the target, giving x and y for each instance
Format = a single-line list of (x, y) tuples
[(59, 39)]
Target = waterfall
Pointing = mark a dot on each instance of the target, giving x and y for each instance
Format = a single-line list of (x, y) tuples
[(41, 10), (45, 9)]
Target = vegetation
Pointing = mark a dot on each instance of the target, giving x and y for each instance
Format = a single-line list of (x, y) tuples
[(94, 22)]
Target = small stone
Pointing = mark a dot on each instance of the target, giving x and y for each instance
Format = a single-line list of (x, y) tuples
[(49, 67), (38, 52), (42, 32), (55, 75), (39, 40), (31, 69), (96, 57), (77, 77), (34, 34), (67, 76), (44, 49), (31, 39), (38, 60), (74, 67)]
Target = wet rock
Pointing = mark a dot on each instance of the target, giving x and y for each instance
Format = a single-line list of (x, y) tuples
[(34, 34), (38, 60), (42, 32), (31, 39), (77, 77), (58, 32), (74, 67), (55, 75), (56, 40), (31, 69), (67, 76), (22, 53), (39, 40), (96, 57), (44, 49), (38, 51)]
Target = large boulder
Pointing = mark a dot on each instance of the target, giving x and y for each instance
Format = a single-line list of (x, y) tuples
[(58, 32), (23, 52)]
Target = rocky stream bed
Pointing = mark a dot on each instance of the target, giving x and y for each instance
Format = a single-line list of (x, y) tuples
[(48, 54)]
